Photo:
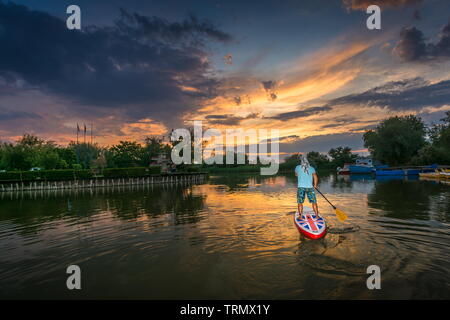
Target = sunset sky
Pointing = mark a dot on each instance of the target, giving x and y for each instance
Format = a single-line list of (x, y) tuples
[(309, 68)]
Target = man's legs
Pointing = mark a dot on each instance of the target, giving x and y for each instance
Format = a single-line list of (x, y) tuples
[(316, 209), (312, 199), (300, 200), (300, 208)]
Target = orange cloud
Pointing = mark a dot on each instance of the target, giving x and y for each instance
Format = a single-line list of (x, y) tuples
[(310, 77)]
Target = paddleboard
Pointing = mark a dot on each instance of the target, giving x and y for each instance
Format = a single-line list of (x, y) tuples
[(310, 225)]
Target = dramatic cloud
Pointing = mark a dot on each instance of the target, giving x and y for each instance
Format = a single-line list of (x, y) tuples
[(300, 113), (289, 139), (363, 4), (270, 86), (412, 45), (323, 143), (156, 28), (228, 119), (145, 66), (8, 115), (411, 94)]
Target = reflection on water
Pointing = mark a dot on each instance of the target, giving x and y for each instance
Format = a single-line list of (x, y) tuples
[(232, 237)]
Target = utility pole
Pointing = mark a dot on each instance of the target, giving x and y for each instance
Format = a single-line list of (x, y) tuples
[(78, 130)]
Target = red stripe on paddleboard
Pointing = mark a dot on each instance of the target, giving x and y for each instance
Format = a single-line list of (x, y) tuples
[(311, 223)]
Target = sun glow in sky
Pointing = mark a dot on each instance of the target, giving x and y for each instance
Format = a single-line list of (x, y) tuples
[(308, 68)]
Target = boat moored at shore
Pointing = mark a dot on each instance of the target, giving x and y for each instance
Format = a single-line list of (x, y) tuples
[(362, 165)]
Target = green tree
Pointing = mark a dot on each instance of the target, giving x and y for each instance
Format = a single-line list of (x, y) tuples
[(85, 153), (30, 140), (341, 155), (295, 157), (442, 139), (396, 140), (49, 160), (438, 149), (128, 154), (23, 155), (67, 156), (16, 157), (318, 160), (153, 147)]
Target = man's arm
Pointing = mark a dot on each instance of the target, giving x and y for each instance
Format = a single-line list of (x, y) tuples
[(315, 180)]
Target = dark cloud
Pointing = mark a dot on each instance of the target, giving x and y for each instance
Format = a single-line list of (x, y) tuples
[(245, 99), (289, 139), (332, 125), (343, 121), (363, 4), (300, 113), (323, 143), (218, 116), (157, 28), (411, 94), (139, 65), (365, 128), (8, 115), (412, 45), (270, 87), (228, 119)]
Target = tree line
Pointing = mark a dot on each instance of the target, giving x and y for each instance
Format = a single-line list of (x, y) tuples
[(395, 141), (406, 140), (31, 151), (337, 157), (399, 140)]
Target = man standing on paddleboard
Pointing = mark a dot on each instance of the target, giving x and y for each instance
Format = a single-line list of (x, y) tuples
[(307, 181)]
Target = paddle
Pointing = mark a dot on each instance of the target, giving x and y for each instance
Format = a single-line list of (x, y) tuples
[(339, 213)]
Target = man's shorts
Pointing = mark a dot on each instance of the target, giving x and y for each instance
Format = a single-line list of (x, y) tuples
[(301, 192)]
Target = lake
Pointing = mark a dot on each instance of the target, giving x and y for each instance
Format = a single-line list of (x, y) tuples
[(230, 238)]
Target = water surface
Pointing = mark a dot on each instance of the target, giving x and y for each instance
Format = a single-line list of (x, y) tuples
[(230, 238)]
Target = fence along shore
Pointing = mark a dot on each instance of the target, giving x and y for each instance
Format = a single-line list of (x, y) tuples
[(197, 177)]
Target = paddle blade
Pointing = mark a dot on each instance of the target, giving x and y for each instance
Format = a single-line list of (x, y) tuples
[(341, 215)]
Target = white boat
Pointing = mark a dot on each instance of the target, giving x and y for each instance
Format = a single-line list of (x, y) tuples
[(344, 170)]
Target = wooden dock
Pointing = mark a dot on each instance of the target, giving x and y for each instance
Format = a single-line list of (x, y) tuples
[(416, 167), (174, 178)]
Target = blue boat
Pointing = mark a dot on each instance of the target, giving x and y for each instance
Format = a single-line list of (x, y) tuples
[(412, 172), (354, 168), (362, 165), (399, 172)]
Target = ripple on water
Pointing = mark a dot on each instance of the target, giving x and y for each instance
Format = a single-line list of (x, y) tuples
[(231, 238)]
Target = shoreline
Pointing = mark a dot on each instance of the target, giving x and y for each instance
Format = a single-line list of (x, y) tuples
[(99, 182)]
